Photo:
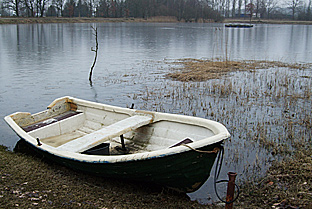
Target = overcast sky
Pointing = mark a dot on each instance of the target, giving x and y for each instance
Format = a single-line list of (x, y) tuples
[(288, 2)]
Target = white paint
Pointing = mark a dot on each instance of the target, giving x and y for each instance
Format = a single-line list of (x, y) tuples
[(162, 131)]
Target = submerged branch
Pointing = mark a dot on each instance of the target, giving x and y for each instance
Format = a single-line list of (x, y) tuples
[(96, 52)]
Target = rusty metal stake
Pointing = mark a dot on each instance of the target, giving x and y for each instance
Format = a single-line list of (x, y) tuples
[(230, 190)]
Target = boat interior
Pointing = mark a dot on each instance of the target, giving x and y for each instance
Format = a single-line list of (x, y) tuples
[(106, 131)]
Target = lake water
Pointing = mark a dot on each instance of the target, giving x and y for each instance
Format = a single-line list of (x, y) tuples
[(41, 62)]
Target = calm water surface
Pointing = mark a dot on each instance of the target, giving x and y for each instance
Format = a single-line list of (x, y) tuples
[(40, 62)]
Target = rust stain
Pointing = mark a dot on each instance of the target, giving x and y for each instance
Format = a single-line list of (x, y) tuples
[(73, 106)]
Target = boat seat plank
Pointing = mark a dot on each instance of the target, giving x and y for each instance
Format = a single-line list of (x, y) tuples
[(97, 137), (49, 121)]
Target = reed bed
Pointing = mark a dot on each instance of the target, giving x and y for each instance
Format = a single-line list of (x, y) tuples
[(266, 106)]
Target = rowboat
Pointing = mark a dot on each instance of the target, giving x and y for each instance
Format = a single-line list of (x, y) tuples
[(175, 151), (237, 25)]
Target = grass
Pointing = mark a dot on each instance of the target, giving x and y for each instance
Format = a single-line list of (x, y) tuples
[(266, 107), (30, 182), (287, 182), (31, 20), (202, 70), (286, 185)]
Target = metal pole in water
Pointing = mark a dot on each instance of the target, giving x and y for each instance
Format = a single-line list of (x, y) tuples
[(230, 190)]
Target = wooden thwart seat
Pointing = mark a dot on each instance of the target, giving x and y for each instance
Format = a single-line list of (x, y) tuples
[(49, 121), (93, 139)]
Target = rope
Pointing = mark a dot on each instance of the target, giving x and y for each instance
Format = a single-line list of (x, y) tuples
[(217, 172), (215, 150)]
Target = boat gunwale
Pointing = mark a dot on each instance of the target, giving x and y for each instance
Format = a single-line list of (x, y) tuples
[(221, 134)]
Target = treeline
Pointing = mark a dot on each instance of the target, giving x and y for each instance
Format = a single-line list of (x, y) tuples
[(188, 10)]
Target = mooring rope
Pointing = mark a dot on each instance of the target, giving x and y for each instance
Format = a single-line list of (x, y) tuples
[(218, 170), (215, 150), (217, 173)]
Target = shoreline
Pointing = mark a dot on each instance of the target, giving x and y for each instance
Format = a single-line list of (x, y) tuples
[(29, 181), (265, 21), (160, 19), (43, 20)]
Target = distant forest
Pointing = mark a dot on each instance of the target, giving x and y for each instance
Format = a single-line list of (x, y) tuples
[(187, 10)]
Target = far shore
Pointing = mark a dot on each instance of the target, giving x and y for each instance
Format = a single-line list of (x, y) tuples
[(32, 20), (265, 21)]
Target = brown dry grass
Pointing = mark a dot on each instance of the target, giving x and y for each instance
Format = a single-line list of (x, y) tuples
[(202, 70), (29, 182), (31, 20), (287, 184), (23, 20)]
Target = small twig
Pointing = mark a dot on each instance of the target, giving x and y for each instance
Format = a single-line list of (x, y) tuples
[(96, 52)]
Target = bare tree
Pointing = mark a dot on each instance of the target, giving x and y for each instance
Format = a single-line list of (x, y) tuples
[(250, 9), (13, 5), (227, 8), (92, 6), (222, 7), (59, 5), (245, 6), (41, 6), (239, 7), (30, 7), (270, 5), (233, 8), (309, 15), (293, 5), (257, 7)]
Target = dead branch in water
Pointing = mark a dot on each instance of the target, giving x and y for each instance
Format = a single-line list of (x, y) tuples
[(96, 52)]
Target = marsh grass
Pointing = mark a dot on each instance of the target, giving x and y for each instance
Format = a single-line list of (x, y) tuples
[(202, 70), (267, 108)]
